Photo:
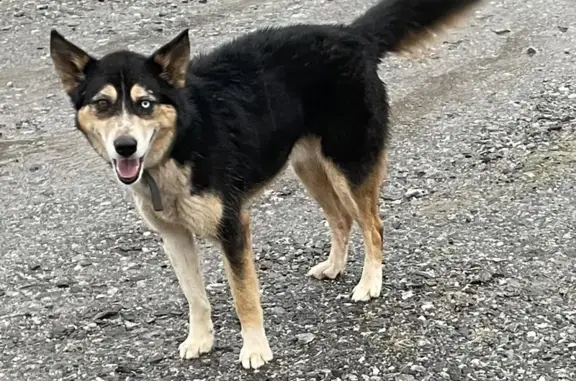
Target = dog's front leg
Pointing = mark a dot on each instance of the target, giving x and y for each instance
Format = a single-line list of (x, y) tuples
[(241, 274), (180, 248)]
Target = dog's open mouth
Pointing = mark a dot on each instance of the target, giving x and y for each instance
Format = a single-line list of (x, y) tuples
[(128, 170)]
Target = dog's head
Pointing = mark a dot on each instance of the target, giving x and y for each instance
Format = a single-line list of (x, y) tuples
[(126, 103)]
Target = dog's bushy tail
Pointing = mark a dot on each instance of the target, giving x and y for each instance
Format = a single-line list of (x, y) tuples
[(403, 26)]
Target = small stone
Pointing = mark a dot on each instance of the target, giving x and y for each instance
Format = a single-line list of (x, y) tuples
[(427, 306), (278, 310), (127, 248), (562, 29), (60, 332), (414, 193), (34, 167), (501, 31), (417, 368), (531, 336), (407, 294), (215, 286), (156, 359), (42, 7), (124, 369), (10, 84), (34, 266), (336, 373), (106, 314), (424, 274), (75, 289), (305, 338), (63, 283), (531, 51), (483, 277)]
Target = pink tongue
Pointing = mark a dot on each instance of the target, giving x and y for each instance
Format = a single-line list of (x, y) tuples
[(128, 168)]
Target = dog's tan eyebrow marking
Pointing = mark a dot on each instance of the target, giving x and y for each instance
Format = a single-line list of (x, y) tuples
[(109, 92), (138, 92)]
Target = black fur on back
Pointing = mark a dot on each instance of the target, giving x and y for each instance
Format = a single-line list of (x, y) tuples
[(256, 96)]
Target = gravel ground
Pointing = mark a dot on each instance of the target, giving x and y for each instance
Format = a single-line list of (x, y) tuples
[(480, 279)]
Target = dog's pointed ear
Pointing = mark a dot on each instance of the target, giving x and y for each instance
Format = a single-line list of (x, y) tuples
[(174, 58), (69, 60)]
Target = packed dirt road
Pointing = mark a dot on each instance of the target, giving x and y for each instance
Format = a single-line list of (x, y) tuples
[(479, 211)]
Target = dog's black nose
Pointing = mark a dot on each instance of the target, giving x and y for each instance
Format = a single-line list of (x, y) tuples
[(125, 146)]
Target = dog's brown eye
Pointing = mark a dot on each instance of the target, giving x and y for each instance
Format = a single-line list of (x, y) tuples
[(102, 104)]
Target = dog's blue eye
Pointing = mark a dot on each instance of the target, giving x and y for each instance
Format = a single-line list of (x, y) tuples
[(145, 104)]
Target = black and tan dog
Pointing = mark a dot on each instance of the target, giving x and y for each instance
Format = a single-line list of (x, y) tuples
[(197, 140)]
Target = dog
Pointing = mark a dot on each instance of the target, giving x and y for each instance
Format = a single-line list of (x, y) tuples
[(196, 140)]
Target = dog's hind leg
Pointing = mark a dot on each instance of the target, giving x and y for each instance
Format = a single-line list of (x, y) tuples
[(366, 197), (307, 164), (180, 248), (361, 201), (241, 273)]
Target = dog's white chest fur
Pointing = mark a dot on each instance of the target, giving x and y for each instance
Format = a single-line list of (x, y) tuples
[(199, 214)]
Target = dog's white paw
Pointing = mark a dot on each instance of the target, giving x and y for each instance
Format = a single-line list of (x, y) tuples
[(195, 345), (256, 351), (370, 286), (327, 269)]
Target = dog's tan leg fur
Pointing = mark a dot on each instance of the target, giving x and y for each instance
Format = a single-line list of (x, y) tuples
[(181, 251), (359, 204), (244, 286), (309, 167), (366, 197), (362, 204)]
